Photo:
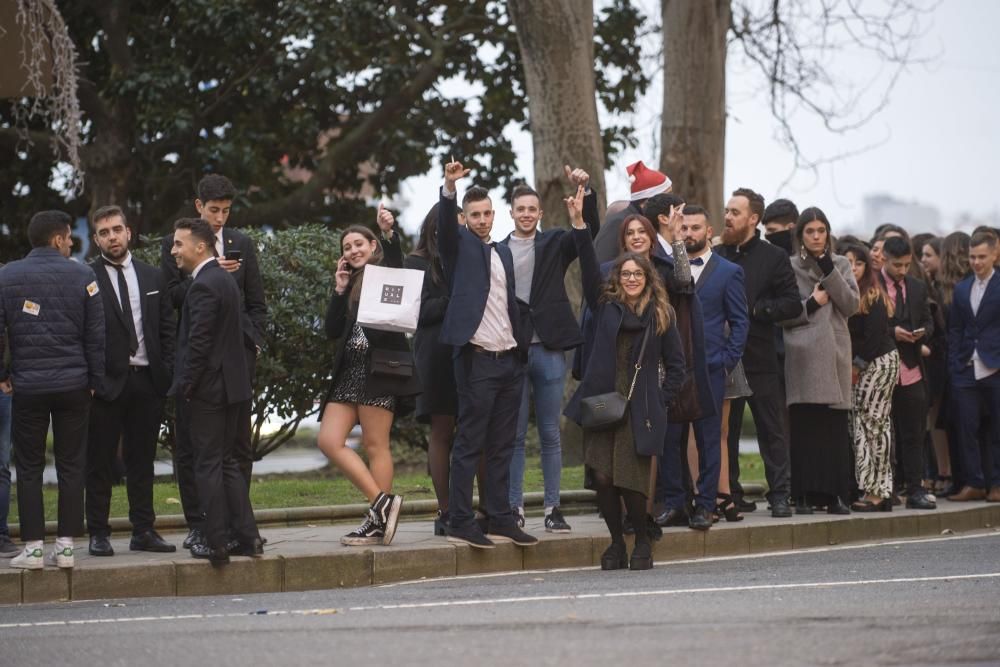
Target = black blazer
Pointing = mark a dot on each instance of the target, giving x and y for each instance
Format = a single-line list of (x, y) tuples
[(208, 366), (341, 316), (917, 315), (467, 264), (772, 296), (549, 313), (159, 330), (248, 279)]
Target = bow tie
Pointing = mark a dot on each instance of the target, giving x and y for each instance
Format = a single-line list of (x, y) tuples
[(697, 261)]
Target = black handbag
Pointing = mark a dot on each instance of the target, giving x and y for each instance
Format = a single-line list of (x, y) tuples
[(607, 411), (392, 363)]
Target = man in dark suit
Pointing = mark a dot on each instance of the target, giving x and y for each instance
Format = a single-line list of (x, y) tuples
[(772, 296), (236, 254), (974, 361), (128, 405), (211, 380), (911, 323), (541, 259), (483, 323), (719, 286)]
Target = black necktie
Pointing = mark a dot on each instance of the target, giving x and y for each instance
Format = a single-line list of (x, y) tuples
[(697, 261), (126, 306), (900, 299)]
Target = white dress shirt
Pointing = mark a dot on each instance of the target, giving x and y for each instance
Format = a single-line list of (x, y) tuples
[(665, 245), (696, 269), (979, 369), (495, 332), (135, 302), (220, 247)]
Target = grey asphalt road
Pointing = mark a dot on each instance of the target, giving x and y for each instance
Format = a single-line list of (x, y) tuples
[(918, 602)]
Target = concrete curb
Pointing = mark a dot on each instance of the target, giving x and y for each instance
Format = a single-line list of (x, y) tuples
[(294, 515), (301, 572)]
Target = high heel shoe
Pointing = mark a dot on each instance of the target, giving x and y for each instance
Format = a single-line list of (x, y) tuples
[(726, 507)]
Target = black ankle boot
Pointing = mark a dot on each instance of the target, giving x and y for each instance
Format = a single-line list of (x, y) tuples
[(615, 557), (642, 557)]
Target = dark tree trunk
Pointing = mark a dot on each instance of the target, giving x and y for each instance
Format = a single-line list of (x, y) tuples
[(693, 135)]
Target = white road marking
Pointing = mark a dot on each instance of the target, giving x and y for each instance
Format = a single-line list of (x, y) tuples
[(702, 559), (524, 599)]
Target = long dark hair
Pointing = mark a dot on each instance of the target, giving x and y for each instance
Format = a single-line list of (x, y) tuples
[(954, 264), (427, 245), (813, 214), (646, 225), (869, 287)]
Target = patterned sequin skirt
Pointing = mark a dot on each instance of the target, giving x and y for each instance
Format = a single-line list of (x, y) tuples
[(349, 384)]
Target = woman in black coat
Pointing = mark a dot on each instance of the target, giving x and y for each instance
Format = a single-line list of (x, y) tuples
[(632, 302), (438, 404), (358, 391)]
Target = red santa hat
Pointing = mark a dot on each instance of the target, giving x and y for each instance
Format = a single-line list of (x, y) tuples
[(646, 182)]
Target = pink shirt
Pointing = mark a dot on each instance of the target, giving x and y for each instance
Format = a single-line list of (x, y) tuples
[(907, 375)]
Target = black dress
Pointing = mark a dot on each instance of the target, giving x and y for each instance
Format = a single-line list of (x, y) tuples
[(821, 458), (434, 360)]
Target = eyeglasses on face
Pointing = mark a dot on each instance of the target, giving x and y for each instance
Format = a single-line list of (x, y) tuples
[(629, 275)]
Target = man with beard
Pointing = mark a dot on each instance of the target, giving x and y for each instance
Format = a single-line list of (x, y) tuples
[(128, 404), (719, 286), (772, 296)]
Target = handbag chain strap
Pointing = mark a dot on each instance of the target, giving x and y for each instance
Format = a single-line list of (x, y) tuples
[(638, 364)]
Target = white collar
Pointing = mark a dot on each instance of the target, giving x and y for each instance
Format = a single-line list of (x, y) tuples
[(197, 269), (125, 263), (985, 281)]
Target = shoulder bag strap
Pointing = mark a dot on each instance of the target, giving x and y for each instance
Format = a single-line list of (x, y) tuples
[(638, 363)]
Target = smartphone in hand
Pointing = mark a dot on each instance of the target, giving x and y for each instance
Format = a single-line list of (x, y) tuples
[(234, 255)]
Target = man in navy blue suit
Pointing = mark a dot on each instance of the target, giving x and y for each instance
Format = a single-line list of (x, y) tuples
[(482, 322), (974, 358), (719, 286)]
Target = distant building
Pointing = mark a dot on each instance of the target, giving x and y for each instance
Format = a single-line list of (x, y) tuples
[(912, 216)]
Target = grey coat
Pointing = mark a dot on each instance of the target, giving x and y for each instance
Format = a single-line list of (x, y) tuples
[(818, 346)]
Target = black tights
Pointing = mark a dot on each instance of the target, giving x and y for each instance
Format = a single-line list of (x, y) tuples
[(609, 501)]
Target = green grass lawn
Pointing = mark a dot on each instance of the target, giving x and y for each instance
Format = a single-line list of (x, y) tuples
[(279, 491)]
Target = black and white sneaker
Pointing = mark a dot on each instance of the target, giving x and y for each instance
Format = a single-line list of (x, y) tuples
[(386, 512), (555, 523), (368, 533), (518, 516)]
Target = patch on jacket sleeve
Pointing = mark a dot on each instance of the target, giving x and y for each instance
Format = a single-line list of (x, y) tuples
[(92, 288), (31, 308)]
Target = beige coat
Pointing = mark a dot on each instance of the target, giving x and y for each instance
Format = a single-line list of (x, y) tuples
[(818, 346)]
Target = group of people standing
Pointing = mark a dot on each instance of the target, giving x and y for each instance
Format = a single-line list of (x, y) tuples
[(95, 349), (840, 349)]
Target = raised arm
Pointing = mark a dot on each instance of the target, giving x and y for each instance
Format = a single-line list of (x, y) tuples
[(590, 270), (839, 283), (447, 228)]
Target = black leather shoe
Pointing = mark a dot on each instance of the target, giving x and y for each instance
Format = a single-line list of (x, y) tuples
[(215, 556), (780, 509), (920, 501), (194, 536), (254, 549), (673, 517), (100, 545), (511, 534), (837, 507), (150, 541), (802, 506), (614, 557), (642, 557), (701, 519)]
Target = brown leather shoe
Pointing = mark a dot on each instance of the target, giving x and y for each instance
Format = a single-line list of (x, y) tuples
[(968, 493), (994, 495)]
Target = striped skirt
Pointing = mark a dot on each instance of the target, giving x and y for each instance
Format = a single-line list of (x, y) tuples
[(871, 425)]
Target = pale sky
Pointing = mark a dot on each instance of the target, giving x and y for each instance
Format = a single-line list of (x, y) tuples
[(937, 142)]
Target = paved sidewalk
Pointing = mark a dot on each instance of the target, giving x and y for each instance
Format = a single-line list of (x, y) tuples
[(310, 556)]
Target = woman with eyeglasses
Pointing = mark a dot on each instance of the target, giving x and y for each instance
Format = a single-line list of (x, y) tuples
[(629, 306)]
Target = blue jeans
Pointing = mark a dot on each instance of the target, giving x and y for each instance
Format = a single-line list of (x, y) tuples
[(546, 379), (4, 462)]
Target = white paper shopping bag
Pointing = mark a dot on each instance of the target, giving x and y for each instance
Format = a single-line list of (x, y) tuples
[(390, 298)]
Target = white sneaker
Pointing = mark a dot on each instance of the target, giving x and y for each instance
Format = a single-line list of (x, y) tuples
[(60, 557), (29, 559)]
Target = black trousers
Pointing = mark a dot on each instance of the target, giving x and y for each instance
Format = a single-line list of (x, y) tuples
[(184, 460), (223, 495), (489, 398), (770, 416), (909, 420), (134, 419), (69, 412)]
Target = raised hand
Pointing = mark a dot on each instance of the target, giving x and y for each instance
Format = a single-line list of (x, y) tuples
[(342, 277), (453, 172), (577, 176), (574, 208), (385, 221)]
